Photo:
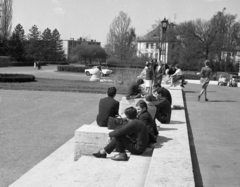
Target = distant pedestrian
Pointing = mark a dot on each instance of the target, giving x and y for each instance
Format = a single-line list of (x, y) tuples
[(206, 73)]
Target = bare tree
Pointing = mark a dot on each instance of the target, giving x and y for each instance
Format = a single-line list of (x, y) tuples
[(121, 37), (6, 18)]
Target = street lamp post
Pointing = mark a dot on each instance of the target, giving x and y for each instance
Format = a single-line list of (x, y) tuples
[(164, 36)]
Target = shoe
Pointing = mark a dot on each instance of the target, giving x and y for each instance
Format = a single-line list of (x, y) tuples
[(182, 86), (99, 155), (206, 99), (119, 157), (198, 98)]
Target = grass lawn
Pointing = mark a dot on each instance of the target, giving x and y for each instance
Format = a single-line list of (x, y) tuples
[(42, 84)]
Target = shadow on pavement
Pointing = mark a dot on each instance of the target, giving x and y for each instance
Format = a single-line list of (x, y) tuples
[(167, 129), (221, 101), (176, 122), (196, 169), (190, 92), (161, 140)]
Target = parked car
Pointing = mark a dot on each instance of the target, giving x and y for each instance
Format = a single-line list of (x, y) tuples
[(222, 81), (105, 71)]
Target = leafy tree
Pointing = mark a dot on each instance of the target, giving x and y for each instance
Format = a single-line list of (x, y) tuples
[(16, 43), (121, 38), (58, 46), (88, 52), (33, 44), (47, 44)]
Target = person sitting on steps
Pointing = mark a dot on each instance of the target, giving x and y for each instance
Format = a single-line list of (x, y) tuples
[(132, 137), (145, 116)]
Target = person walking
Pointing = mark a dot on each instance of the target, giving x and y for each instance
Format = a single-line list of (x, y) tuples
[(206, 73)]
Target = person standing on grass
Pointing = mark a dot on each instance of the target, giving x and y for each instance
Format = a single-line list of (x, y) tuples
[(206, 73), (108, 106)]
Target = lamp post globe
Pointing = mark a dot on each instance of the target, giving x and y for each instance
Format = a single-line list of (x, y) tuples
[(164, 24)]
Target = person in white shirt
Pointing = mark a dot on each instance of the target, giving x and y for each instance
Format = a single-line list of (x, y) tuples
[(177, 76)]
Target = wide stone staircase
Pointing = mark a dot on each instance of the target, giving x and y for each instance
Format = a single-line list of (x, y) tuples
[(168, 164)]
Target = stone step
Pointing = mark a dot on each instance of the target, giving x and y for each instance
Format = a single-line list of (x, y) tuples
[(171, 160), (90, 172), (43, 173), (135, 173)]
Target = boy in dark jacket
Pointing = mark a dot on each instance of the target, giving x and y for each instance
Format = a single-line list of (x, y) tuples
[(145, 116), (164, 110), (132, 137)]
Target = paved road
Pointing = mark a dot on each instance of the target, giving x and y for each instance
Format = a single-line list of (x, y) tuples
[(215, 130)]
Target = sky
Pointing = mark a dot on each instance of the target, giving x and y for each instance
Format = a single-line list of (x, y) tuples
[(92, 18)]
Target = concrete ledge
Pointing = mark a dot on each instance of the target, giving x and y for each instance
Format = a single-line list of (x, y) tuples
[(171, 163), (88, 139)]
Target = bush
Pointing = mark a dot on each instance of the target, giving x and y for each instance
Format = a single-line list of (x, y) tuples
[(196, 77), (4, 61), (124, 76), (133, 63), (18, 63), (16, 78), (71, 68)]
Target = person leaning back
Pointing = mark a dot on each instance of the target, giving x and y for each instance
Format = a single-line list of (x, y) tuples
[(108, 106)]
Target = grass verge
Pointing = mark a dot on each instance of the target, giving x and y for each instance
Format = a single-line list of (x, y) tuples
[(42, 84)]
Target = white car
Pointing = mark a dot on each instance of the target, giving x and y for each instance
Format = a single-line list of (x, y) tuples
[(105, 71)]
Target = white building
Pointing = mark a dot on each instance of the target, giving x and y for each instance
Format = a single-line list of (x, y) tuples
[(151, 45)]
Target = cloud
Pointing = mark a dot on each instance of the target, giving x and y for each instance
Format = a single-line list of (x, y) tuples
[(212, 0), (56, 2), (59, 11)]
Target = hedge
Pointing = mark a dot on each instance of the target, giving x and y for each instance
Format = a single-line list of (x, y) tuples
[(71, 68), (16, 77), (4, 61), (30, 63), (196, 77)]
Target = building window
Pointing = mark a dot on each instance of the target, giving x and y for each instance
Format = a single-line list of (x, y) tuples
[(147, 45), (152, 45)]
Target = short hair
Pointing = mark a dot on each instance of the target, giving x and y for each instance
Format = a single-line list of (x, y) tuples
[(176, 65), (140, 81), (157, 85), (159, 90), (207, 62), (111, 91), (142, 104), (149, 97), (131, 112)]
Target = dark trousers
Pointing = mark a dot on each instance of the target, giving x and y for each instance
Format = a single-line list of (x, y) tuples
[(121, 144), (163, 118)]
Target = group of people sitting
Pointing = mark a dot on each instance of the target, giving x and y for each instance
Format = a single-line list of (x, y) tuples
[(140, 131)]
